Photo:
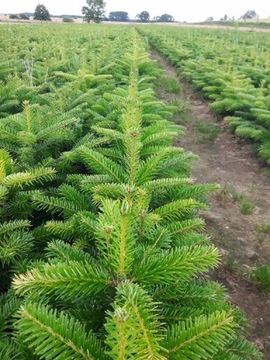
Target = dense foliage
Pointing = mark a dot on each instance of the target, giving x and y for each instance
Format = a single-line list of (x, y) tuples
[(118, 16), (95, 11), (143, 16), (103, 253), (164, 18), (41, 13)]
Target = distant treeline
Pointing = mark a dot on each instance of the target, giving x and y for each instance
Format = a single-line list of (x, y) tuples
[(265, 25), (117, 16)]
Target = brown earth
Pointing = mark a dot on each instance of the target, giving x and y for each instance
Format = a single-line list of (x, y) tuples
[(238, 211)]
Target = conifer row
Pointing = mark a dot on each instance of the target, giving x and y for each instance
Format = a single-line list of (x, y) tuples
[(231, 69)]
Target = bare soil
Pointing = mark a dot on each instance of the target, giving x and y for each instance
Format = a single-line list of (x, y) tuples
[(238, 211)]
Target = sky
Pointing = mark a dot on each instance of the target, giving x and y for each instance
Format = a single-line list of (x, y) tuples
[(190, 11)]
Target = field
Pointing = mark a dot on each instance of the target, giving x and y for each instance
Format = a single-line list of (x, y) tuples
[(110, 247)]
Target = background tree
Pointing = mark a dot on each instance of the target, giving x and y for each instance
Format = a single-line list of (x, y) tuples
[(118, 16), (95, 11), (165, 18), (41, 13), (144, 16), (67, 19), (14, 16), (24, 17), (250, 14)]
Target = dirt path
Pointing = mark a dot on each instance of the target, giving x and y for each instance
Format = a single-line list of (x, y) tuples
[(240, 212)]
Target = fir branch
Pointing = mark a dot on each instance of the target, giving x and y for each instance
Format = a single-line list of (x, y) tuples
[(7, 227), (180, 227), (15, 246), (116, 236), (21, 179), (133, 326), (178, 209), (9, 304), (174, 266), (55, 205), (102, 165), (57, 336), (66, 280), (65, 252), (3, 192), (166, 183), (151, 167), (9, 350), (200, 338)]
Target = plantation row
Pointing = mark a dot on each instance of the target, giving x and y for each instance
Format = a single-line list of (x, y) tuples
[(102, 248), (231, 68)]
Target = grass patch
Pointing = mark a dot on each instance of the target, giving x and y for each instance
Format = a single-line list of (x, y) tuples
[(230, 264), (262, 230), (246, 204), (224, 193), (247, 207), (208, 131), (261, 275), (181, 111), (169, 84)]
